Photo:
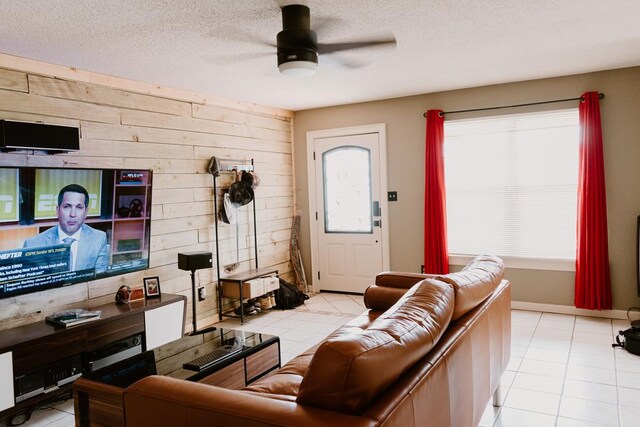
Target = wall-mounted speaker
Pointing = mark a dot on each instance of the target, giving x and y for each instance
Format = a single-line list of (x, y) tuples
[(192, 261), (37, 136)]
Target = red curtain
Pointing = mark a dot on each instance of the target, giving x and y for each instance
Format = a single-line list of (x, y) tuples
[(593, 286), (436, 256)]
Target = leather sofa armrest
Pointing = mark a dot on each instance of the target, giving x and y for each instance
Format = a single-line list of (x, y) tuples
[(157, 400), (402, 280), (390, 286)]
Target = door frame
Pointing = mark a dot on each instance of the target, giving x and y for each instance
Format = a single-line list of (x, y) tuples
[(381, 130)]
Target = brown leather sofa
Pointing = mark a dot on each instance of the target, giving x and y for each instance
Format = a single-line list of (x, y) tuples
[(429, 351)]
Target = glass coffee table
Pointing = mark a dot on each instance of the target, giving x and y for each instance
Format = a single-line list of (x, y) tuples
[(98, 395), (253, 356)]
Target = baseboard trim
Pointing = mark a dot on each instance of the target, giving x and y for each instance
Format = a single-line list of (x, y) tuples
[(566, 309)]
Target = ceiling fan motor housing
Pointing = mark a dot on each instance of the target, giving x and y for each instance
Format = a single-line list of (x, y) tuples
[(296, 41)]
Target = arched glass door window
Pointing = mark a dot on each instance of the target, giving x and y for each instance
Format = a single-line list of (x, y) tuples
[(346, 174)]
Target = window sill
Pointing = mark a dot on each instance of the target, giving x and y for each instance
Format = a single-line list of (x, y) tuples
[(523, 263)]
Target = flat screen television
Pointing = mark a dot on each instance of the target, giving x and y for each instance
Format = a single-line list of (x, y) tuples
[(52, 235)]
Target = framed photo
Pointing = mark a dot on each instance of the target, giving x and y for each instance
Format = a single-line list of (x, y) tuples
[(151, 287)]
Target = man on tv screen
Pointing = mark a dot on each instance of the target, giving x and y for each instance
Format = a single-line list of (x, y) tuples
[(89, 248)]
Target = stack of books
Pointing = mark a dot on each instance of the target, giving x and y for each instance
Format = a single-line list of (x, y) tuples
[(73, 317)]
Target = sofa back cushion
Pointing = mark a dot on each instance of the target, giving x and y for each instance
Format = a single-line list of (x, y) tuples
[(353, 365), (474, 283)]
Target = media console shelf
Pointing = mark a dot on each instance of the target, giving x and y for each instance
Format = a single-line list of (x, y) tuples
[(58, 355)]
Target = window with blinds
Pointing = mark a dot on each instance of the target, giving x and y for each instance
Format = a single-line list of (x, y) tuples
[(512, 185)]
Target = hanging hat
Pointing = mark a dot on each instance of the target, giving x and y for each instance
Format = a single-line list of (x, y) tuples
[(214, 166), (241, 193), (251, 178)]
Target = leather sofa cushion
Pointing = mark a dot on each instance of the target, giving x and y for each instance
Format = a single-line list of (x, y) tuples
[(353, 365), (474, 283), (286, 381)]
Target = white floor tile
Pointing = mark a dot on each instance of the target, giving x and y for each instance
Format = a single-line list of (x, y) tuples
[(541, 367), (554, 332), (302, 317), (328, 296), (590, 374), (66, 406), (628, 380), (518, 350), (557, 317), (347, 306), (489, 416), (629, 397), (533, 401), (525, 317), (572, 422), (592, 348), (629, 416), (506, 380), (629, 365), (588, 410), (586, 359), (514, 363), (510, 417), (558, 344), (621, 354), (46, 417), (594, 338), (591, 391), (520, 341), (289, 324), (547, 355), (537, 382), (66, 421)]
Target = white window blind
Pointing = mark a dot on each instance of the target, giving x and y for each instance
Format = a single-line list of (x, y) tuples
[(512, 185)]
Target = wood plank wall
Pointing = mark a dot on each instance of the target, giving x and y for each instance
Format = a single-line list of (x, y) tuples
[(174, 133)]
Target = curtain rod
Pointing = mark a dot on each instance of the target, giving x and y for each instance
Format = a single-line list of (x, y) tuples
[(600, 96)]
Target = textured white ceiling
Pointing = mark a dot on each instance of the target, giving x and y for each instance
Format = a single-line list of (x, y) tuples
[(220, 47)]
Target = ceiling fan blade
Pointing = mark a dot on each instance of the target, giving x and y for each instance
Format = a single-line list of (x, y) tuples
[(338, 47), (337, 61)]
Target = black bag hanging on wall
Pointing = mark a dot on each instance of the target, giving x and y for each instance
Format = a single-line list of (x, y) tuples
[(630, 341), (288, 296)]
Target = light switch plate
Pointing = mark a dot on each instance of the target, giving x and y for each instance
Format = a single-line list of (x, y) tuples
[(392, 196)]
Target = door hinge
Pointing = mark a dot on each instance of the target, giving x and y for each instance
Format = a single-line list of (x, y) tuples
[(316, 216), (318, 275), (314, 155)]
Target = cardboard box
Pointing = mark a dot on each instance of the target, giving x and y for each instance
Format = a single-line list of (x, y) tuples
[(250, 289)]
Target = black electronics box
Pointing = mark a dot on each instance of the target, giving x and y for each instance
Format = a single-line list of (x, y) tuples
[(191, 261), (38, 136), (46, 379)]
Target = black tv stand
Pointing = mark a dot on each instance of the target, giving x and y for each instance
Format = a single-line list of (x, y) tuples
[(56, 352)]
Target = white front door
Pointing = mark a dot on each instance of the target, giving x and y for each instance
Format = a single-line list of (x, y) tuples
[(349, 217)]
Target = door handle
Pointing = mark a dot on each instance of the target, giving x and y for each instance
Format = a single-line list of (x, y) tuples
[(376, 209)]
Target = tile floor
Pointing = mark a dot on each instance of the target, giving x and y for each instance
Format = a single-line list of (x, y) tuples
[(563, 371)]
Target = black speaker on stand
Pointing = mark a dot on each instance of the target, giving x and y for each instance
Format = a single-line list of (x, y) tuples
[(193, 261)]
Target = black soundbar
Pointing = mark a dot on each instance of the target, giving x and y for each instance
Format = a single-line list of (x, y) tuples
[(37, 136)]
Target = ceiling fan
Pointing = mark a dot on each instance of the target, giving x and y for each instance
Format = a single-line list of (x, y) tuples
[(298, 46)]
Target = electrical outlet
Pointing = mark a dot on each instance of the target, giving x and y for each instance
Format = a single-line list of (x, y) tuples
[(202, 293), (392, 196)]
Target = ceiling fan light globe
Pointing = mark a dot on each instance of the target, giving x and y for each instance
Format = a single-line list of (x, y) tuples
[(298, 68)]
